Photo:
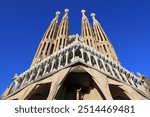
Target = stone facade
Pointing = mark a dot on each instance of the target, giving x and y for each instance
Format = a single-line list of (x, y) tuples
[(73, 67)]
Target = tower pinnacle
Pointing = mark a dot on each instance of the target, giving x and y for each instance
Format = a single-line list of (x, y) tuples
[(94, 19), (93, 15), (86, 31), (103, 44), (46, 47), (66, 13), (63, 32), (57, 13), (83, 14), (56, 17)]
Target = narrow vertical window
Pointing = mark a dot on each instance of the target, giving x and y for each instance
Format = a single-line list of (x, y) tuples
[(105, 48), (100, 34), (98, 48), (85, 32), (91, 43), (101, 49), (43, 48), (62, 31), (87, 42), (56, 45), (49, 32), (104, 36), (64, 42), (52, 48), (109, 48), (60, 43), (47, 48)]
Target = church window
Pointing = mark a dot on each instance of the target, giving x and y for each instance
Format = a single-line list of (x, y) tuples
[(105, 48), (47, 48), (52, 48)]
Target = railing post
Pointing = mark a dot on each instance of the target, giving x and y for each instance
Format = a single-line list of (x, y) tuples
[(37, 75), (73, 52), (66, 58), (59, 64), (31, 77), (45, 68), (52, 65), (89, 58)]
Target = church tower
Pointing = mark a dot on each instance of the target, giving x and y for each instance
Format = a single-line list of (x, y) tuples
[(47, 44), (87, 32), (103, 44), (63, 33), (77, 67)]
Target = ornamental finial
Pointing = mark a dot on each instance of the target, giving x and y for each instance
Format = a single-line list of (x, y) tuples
[(93, 15), (57, 13), (66, 11), (83, 12)]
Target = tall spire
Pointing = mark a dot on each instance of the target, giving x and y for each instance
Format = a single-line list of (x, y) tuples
[(86, 31), (46, 46), (103, 44), (52, 29), (63, 32)]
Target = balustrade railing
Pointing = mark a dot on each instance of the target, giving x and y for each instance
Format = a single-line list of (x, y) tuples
[(71, 54)]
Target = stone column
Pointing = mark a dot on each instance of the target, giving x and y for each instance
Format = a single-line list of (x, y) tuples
[(52, 65), (30, 77), (89, 58), (66, 58), (111, 69), (37, 75), (97, 63), (125, 78), (82, 54), (104, 66), (73, 52), (45, 68), (59, 64), (24, 80)]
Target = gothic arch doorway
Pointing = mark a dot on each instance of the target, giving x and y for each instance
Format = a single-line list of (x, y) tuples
[(40, 92), (118, 93), (79, 86)]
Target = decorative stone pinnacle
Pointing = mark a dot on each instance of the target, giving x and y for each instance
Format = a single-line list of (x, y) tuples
[(56, 17), (83, 12), (66, 11), (93, 15), (94, 19), (57, 13)]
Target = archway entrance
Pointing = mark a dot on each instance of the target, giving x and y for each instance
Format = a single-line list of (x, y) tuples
[(40, 92), (79, 86), (118, 93)]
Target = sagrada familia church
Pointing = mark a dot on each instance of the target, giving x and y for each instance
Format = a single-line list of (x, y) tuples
[(77, 67)]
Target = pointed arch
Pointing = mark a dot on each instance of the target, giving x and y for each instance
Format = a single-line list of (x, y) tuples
[(40, 92), (79, 86), (118, 93)]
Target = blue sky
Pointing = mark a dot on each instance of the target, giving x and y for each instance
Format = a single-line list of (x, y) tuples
[(23, 23)]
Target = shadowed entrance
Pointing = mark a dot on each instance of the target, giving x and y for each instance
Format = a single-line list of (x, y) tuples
[(40, 92), (118, 93), (79, 86)]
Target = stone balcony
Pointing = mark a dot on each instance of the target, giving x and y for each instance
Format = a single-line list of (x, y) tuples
[(74, 53)]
